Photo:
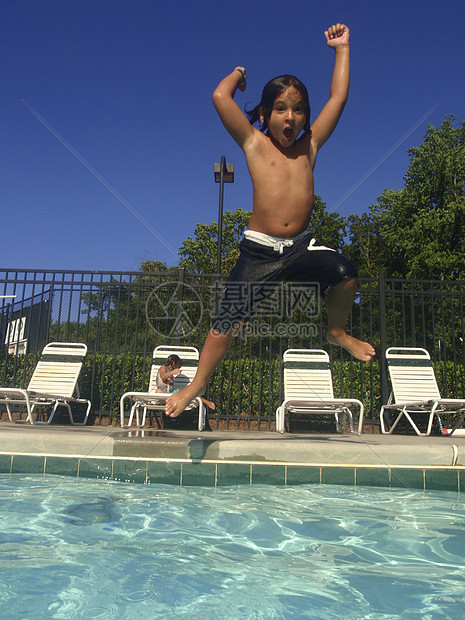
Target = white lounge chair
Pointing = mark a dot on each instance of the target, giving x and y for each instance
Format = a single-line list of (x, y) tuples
[(153, 401), (53, 383), (415, 391), (308, 388)]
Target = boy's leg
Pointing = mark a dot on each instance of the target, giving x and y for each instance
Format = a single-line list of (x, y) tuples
[(256, 263), (209, 403), (309, 262), (215, 348), (339, 302)]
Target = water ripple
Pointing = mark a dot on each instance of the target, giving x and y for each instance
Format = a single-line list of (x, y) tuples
[(98, 549)]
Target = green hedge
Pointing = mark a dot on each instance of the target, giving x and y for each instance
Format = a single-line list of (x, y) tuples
[(251, 386)]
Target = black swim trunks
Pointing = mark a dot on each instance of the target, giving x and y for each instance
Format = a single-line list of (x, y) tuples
[(266, 262)]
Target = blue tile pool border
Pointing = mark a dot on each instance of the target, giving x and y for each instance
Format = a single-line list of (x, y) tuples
[(185, 472)]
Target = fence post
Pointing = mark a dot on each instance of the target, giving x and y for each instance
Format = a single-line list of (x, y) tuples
[(383, 337), (179, 310)]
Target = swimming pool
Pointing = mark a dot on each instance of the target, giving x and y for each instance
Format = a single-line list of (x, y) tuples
[(80, 548)]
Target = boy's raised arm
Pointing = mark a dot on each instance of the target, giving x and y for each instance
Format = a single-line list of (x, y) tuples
[(337, 37), (230, 113)]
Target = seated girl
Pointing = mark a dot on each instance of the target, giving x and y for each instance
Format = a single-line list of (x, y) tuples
[(166, 375)]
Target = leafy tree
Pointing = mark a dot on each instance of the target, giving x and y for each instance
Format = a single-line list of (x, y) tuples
[(435, 199), (417, 231), (327, 228), (199, 254), (364, 247), (108, 294), (153, 266)]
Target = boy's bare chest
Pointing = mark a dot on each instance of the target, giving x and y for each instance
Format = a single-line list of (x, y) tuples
[(284, 164)]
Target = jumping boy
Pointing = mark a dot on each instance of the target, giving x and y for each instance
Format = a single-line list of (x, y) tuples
[(281, 158)]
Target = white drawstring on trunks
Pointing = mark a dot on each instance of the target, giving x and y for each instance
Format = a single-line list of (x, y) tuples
[(277, 243)]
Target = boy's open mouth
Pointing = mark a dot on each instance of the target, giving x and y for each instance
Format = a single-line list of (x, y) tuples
[(288, 133)]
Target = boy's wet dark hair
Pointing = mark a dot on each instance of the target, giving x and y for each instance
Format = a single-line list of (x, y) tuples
[(173, 359), (272, 90)]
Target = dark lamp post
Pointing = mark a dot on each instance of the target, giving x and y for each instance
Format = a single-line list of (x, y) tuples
[(224, 173)]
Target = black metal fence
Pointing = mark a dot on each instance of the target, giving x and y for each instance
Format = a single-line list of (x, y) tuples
[(122, 317)]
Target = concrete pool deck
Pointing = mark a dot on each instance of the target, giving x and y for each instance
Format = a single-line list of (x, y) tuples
[(218, 458), (366, 450)]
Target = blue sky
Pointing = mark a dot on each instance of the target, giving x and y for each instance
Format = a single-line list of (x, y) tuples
[(109, 136)]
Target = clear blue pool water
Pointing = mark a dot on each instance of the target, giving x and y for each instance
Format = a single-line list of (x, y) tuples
[(76, 548)]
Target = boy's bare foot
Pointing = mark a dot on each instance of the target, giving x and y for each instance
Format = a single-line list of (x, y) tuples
[(358, 348), (177, 402)]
